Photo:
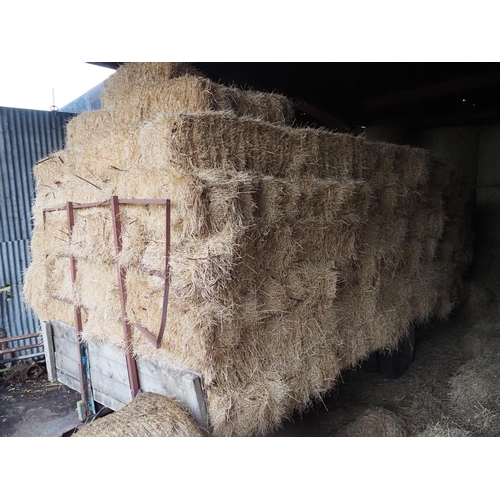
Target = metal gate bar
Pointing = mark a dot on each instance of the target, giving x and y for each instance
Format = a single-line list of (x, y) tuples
[(83, 364), (157, 341), (133, 376)]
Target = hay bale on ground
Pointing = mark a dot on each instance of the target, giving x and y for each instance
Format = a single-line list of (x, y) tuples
[(482, 340), (375, 422), (148, 415), (474, 396)]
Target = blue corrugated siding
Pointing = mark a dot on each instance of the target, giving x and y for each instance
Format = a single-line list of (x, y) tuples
[(26, 136)]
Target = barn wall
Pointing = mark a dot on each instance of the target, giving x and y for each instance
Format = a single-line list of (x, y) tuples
[(26, 136)]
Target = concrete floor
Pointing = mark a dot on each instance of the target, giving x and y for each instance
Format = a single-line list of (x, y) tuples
[(37, 408)]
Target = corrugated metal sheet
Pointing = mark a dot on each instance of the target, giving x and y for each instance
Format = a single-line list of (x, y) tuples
[(89, 101), (26, 136)]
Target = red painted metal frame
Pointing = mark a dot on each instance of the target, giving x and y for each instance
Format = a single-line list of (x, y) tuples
[(157, 341), (84, 385), (114, 203), (133, 376)]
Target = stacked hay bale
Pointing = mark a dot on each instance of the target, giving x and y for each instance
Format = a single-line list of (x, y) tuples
[(295, 252)]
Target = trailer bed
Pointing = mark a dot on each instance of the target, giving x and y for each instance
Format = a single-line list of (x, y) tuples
[(109, 376)]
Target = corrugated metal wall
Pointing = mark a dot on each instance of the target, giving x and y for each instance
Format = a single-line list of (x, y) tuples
[(26, 136)]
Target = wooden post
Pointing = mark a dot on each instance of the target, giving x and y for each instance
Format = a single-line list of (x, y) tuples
[(48, 347)]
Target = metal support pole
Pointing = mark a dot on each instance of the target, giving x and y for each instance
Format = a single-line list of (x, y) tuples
[(83, 357), (156, 341), (129, 354)]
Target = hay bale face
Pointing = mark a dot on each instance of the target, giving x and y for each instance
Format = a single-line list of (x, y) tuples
[(138, 92), (130, 76)]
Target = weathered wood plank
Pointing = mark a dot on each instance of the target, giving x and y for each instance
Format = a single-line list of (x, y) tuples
[(107, 400), (107, 350), (68, 380), (183, 385), (69, 349), (67, 365), (199, 407), (63, 330), (50, 360), (111, 387), (113, 370)]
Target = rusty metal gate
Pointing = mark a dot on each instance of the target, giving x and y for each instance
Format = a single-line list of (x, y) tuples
[(26, 136)]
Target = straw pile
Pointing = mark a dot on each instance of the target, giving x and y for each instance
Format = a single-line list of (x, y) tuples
[(444, 429), (148, 415), (295, 252), (474, 395), (376, 422)]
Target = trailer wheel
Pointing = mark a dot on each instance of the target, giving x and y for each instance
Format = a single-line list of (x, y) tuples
[(393, 364)]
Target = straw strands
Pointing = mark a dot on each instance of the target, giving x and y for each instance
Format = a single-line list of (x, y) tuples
[(140, 91), (294, 253), (148, 415), (376, 422)]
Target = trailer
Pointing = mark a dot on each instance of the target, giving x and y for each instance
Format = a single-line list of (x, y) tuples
[(105, 377)]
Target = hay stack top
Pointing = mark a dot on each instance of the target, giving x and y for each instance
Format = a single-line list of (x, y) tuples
[(140, 91)]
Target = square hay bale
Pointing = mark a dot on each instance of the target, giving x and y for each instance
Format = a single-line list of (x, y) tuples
[(35, 286), (44, 281), (51, 238), (97, 289), (140, 74), (272, 108), (55, 309), (203, 141), (190, 93), (89, 136)]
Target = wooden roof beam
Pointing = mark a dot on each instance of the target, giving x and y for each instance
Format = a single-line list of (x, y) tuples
[(439, 89)]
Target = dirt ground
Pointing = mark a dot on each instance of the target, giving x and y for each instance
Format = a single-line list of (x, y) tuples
[(36, 408)]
